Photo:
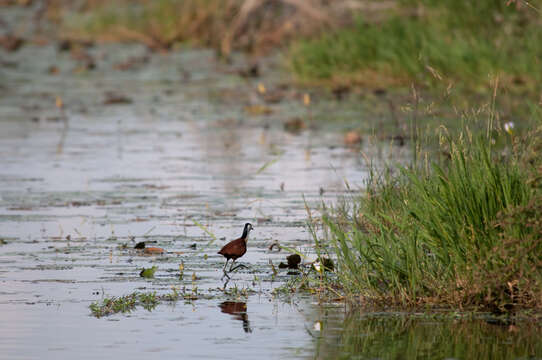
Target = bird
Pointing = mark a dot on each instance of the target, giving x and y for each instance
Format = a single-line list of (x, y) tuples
[(235, 249)]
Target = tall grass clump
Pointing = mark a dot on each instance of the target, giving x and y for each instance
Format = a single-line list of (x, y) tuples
[(463, 232)]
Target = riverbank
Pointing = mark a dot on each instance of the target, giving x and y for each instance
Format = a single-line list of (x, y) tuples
[(458, 228)]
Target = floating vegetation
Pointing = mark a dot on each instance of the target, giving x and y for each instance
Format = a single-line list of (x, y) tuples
[(147, 300), (148, 273), (113, 305), (239, 293)]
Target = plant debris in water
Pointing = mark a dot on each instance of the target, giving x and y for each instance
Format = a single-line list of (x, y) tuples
[(149, 272), (149, 300)]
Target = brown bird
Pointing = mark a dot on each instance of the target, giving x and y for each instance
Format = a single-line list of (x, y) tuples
[(236, 248)]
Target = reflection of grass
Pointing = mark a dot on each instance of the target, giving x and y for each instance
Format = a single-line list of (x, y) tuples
[(401, 337), (462, 230), (449, 41)]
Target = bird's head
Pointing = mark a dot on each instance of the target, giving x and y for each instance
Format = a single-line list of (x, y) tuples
[(248, 228)]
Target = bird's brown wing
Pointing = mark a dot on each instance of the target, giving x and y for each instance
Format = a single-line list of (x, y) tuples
[(230, 247)]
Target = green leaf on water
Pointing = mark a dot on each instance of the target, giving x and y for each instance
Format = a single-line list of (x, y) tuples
[(148, 273)]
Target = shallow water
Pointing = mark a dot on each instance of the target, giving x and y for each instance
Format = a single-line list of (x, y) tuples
[(81, 184)]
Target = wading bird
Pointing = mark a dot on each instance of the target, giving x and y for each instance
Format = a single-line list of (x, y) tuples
[(235, 249)]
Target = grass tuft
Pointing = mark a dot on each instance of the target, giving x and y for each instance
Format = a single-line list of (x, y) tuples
[(113, 305), (127, 303)]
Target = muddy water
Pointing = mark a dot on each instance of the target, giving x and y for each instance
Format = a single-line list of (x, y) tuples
[(185, 145)]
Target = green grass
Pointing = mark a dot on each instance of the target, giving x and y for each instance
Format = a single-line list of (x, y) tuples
[(127, 303), (462, 231), (429, 42), (113, 305)]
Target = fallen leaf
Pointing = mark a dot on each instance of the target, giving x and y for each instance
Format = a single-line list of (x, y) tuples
[(154, 250), (294, 125), (352, 138), (11, 42), (258, 110), (306, 99), (112, 98)]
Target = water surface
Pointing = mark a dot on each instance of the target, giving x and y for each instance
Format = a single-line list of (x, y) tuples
[(82, 182)]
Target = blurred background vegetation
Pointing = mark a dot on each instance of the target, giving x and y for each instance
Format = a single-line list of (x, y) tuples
[(454, 53), (375, 43)]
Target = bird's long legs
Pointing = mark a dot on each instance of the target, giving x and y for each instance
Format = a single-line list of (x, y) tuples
[(226, 264), (232, 268), (237, 267), (224, 270)]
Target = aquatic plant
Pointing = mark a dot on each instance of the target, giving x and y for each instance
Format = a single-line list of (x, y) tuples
[(148, 300), (113, 305), (148, 272)]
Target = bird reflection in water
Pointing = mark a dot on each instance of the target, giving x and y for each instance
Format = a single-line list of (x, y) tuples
[(239, 312)]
